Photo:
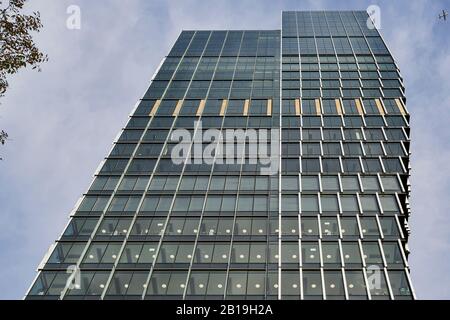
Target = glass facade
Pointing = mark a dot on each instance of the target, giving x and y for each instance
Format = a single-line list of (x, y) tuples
[(330, 223)]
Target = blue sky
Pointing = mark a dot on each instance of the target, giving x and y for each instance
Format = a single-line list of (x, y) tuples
[(63, 120)]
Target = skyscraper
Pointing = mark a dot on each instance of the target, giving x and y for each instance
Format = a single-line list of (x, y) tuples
[(264, 164)]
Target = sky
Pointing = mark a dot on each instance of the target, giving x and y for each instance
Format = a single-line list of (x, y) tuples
[(62, 121)]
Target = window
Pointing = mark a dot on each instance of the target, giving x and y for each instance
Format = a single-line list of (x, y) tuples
[(332, 148), (334, 285), (351, 165), (289, 183), (290, 165), (374, 121), (310, 183), (104, 183), (148, 226), (310, 121), (351, 254), (102, 253), (289, 203), (182, 226), (370, 105), (311, 149), (80, 227), (291, 134), (393, 254), (312, 284), (290, 149), (91, 284), (290, 252), (66, 252), (370, 183), (114, 227), (331, 165), (350, 183), (167, 283), (290, 283), (329, 226), (372, 253), (349, 227), (93, 204), (399, 283), (310, 165), (309, 203), (353, 134), (374, 134), (332, 134), (389, 203), (130, 135), (237, 283), (389, 227), (138, 183), (188, 204), (139, 253), (329, 121), (175, 253), (352, 149), (393, 165), (331, 253), (394, 134), (156, 204), (289, 226), (311, 134), (330, 183), (310, 227), (349, 203), (368, 203), (369, 227), (329, 106), (124, 204), (192, 183), (329, 203), (49, 283), (373, 149), (394, 149), (349, 106), (356, 285), (372, 165), (149, 150), (381, 291), (142, 165), (310, 253), (206, 283), (353, 121)]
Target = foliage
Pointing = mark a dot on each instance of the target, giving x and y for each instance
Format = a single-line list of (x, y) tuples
[(17, 46)]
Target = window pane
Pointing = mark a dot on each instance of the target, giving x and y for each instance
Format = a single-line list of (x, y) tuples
[(349, 227), (309, 203), (330, 183), (310, 183), (356, 285), (312, 284), (399, 283), (351, 253), (334, 285), (350, 183)]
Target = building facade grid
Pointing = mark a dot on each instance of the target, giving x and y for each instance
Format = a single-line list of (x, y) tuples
[(331, 223)]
